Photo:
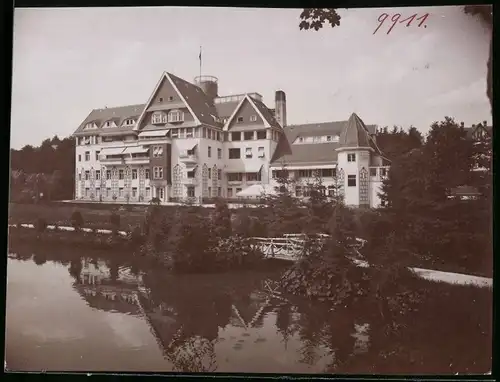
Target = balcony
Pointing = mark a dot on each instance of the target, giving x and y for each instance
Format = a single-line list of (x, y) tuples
[(378, 174), (137, 160), (188, 157), (112, 160), (190, 181)]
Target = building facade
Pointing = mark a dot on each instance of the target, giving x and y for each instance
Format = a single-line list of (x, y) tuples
[(187, 142)]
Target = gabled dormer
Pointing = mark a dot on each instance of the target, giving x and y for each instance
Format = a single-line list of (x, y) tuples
[(110, 123), (128, 122), (246, 114), (90, 125)]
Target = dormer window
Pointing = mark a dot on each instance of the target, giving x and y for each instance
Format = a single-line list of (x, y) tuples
[(240, 119), (253, 118), (108, 124), (159, 117), (128, 122), (301, 139), (175, 116), (90, 125)]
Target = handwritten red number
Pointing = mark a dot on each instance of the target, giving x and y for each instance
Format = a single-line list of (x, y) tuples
[(411, 18), (394, 20), (381, 20), (423, 18)]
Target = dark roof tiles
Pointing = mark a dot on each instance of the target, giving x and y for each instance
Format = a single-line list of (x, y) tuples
[(198, 101), (290, 153), (118, 113)]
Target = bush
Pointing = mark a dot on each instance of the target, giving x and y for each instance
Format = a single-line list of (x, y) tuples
[(136, 236), (155, 201), (77, 220), (41, 224), (114, 219)]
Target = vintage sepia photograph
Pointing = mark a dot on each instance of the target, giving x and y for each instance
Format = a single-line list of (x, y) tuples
[(251, 190)]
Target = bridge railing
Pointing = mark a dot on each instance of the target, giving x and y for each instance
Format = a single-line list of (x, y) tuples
[(292, 246)]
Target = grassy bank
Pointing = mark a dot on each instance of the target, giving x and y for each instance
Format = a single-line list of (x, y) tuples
[(94, 216)]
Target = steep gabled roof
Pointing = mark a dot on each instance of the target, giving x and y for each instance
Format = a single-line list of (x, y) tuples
[(226, 109), (200, 104), (265, 113), (101, 115), (260, 108)]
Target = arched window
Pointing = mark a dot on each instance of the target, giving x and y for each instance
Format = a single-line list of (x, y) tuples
[(175, 116)]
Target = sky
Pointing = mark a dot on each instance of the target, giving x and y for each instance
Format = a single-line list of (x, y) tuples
[(69, 61)]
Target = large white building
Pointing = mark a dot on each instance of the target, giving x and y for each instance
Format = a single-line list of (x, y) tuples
[(189, 142)]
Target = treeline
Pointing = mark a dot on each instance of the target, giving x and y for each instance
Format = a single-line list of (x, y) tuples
[(48, 169)]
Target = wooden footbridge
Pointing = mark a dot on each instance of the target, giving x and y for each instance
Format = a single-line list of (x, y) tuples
[(290, 247)]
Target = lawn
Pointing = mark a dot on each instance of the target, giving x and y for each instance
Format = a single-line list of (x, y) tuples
[(61, 214)]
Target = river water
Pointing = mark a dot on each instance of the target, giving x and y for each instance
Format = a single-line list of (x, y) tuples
[(68, 311)]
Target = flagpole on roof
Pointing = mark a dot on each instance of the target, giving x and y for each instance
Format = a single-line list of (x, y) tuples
[(200, 61)]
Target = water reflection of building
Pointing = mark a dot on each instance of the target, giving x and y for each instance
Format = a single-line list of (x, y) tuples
[(108, 289), (98, 271)]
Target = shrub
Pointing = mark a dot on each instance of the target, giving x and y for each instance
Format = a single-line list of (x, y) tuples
[(41, 224), (77, 220), (155, 201), (221, 219), (136, 236), (114, 219)]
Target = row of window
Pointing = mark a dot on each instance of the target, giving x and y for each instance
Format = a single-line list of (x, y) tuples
[(157, 174), (253, 118), (238, 177), (106, 192), (317, 139), (172, 116), (308, 173), (111, 123), (322, 173), (306, 191), (235, 153)]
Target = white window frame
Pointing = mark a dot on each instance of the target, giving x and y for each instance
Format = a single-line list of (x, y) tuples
[(87, 156), (253, 118), (147, 174), (158, 117), (248, 152), (157, 151), (97, 174), (261, 152), (87, 175), (209, 152), (351, 157), (219, 153), (135, 174), (175, 116), (157, 172)]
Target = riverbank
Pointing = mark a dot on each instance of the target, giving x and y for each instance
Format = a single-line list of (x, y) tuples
[(100, 239)]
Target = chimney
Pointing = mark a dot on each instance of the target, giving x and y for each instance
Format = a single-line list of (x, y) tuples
[(462, 124), (484, 123), (280, 107)]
